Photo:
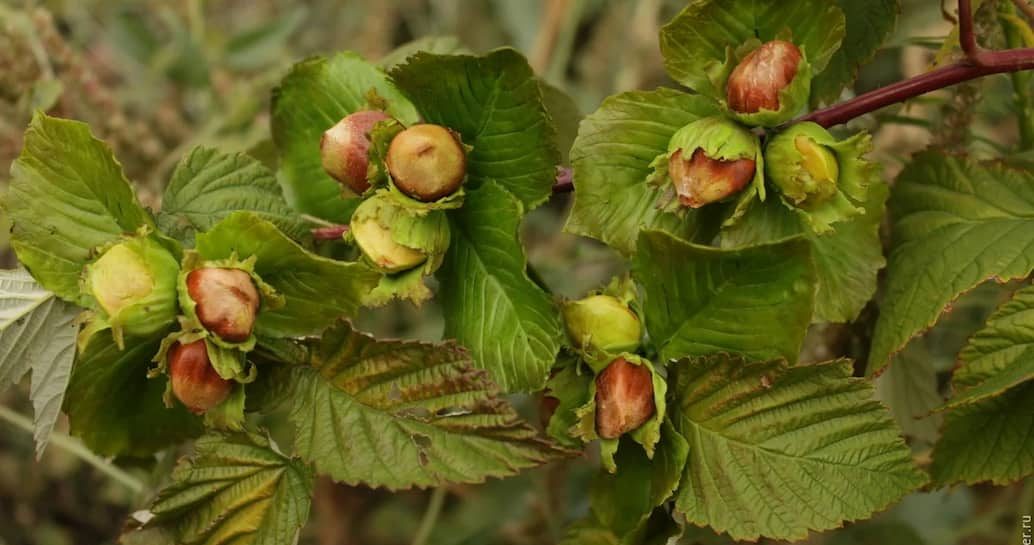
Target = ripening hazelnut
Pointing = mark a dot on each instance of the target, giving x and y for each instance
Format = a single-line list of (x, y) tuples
[(194, 381), (702, 180), (427, 162), (800, 162), (756, 81), (624, 398), (344, 148), (227, 301)]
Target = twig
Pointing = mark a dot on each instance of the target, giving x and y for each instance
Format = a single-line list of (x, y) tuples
[(430, 518), (332, 232), (967, 38), (77, 449), (978, 63)]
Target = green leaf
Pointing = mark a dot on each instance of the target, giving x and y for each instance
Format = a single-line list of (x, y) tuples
[(623, 501), (868, 24), (909, 389), (439, 45), (777, 451), (1001, 355), (115, 409), (572, 387), (846, 261), (314, 96), (696, 42), (317, 290), (989, 440), (490, 305), (957, 223), (495, 103), (564, 114), (209, 185), (612, 159), (754, 301), (37, 332), (399, 414), (68, 196), (236, 489)]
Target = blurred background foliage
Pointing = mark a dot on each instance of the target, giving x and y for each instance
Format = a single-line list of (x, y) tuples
[(156, 78)]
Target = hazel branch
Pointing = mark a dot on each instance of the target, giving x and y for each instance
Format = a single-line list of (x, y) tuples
[(977, 63)]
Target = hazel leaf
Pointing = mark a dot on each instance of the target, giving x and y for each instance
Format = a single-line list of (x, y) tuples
[(238, 489), (957, 223), (764, 436), (209, 185), (397, 415), (699, 300), (68, 196)]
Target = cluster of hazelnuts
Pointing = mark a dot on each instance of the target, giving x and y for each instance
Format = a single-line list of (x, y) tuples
[(425, 162), (714, 158), (604, 328), (137, 291), (227, 304)]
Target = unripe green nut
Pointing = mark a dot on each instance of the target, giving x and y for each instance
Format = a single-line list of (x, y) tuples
[(710, 160), (801, 164), (602, 323), (134, 285), (344, 148), (427, 162), (376, 243), (394, 238)]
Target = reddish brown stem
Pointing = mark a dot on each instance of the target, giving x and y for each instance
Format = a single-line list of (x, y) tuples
[(967, 38), (564, 180), (998, 62), (332, 232)]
